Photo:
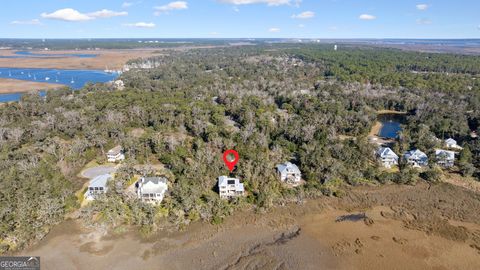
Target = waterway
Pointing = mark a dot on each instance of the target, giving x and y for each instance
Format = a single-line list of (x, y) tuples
[(74, 79)]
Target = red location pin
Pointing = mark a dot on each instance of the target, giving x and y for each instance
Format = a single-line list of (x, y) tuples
[(230, 163)]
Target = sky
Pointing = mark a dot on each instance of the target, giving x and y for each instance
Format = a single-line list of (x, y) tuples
[(240, 19)]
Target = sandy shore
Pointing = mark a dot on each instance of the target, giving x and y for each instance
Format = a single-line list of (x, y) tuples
[(389, 227), (15, 86)]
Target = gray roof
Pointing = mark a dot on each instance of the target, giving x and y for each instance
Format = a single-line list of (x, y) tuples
[(416, 154), (115, 151), (100, 181), (449, 155), (386, 151), (288, 167), (154, 185)]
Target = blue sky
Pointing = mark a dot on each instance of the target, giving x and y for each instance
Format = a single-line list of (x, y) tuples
[(240, 18)]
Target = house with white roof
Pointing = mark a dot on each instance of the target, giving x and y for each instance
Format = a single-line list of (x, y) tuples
[(452, 144), (289, 173), (445, 158), (416, 158), (387, 157), (152, 189), (230, 187), (97, 187), (115, 154)]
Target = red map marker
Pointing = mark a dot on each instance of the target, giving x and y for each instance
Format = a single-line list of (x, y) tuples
[(230, 163)]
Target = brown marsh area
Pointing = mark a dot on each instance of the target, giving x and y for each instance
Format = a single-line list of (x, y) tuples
[(388, 227)]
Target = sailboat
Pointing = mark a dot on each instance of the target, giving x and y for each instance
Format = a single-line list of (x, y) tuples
[(72, 81), (47, 78), (29, 75), (9, 74), (56, 79), (34, 77)]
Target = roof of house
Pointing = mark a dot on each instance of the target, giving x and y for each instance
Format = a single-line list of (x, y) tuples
[(386, 151), (223, 181), (450, 155), (100, 181), (116, 150), (154, 185), (288, 167), (450, 141), (415, 154)]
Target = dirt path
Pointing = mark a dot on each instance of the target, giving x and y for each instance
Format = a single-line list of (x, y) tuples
[(390, 227)]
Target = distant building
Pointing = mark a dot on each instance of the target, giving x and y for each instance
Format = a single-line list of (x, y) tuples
[(416, 158), (152, 189), (115, 154), (289, 173), (445, 158), (387, 157), (230, 187), (452, 144), (335, 47), (97, 187)]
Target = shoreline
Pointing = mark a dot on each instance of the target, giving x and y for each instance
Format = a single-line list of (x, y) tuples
[(322, 231)]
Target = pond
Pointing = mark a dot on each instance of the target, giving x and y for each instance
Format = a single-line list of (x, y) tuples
[(74, 79), (391, 125)]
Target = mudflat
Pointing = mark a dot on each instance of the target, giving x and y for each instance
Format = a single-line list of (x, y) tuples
[(111, 59), (15, 86), (387, 227)]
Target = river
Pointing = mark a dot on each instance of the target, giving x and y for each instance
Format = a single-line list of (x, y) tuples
[(74, 79)]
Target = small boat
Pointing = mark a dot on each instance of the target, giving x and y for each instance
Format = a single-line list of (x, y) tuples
[(47, 79), (72, 81), (56, 79), (34, 77), (9, 74), (22, 73), (29, 75)]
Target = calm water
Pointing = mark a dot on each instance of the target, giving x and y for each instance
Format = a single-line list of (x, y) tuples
[(27, 54), (75, 79), (391, 125)]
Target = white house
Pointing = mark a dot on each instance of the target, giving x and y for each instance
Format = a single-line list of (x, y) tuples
[(115, 154), (445, 158), (97, 187), (289, 173), (230, 187), (387, 157), (152, 189), (452, 144), (416, 158)]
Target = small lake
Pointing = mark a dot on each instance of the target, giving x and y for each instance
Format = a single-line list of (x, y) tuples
[(391, 125), (27, 54), (74, 79)]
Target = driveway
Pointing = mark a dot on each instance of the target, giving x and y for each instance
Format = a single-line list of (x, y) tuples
[(99, 170)]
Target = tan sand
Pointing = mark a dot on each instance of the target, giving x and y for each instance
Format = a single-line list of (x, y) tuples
[(16, 86), (405, 227)]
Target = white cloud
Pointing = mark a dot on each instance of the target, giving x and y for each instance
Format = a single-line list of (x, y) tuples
[(268, 2), (67, 14), (214, 33), (177, 5), (72, 15), (422, 6), (236, 9), (105, 13), (29, 22), (304, 15), (127, 4), (367, 17), (274, 30), (301, 25), (140, 25), (424, 21)]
